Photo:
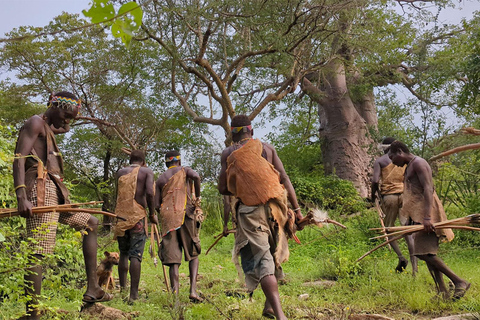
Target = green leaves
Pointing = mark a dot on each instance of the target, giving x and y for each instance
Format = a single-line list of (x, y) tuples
[(124, 23), (101, 11)]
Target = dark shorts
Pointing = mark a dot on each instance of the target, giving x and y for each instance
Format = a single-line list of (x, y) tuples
[(186, 238), (133, 242)]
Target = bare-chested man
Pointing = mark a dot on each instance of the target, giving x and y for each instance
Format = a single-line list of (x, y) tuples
[(135, 194), (36, 147), (179, 221), (387, 180), (254, 174), (421, 204)]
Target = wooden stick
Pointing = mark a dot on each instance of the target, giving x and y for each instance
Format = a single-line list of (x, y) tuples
[(220, 236), (447, 226), (167, 284), (412, 231), (380, 216), (63, 209), (379, 246), (335, 223), (65, 205)]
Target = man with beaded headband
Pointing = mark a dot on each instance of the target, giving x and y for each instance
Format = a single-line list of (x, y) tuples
[(177, 197), (253, 173), (38, 176)]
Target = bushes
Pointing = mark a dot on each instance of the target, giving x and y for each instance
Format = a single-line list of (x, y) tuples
[(328, 192)]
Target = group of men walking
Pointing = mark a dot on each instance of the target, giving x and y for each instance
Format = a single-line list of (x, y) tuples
[(252, 175), (262, 214)]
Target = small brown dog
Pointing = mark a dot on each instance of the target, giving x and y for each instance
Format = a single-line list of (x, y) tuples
[(105, 269)]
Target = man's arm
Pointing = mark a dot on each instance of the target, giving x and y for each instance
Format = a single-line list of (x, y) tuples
[(424, 174), (193, 175), (222, 179), (285, 180), (150, 195), (226, 214), (158, 194), (375, 179), (26, 140)]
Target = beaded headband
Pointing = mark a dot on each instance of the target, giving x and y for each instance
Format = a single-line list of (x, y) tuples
[(64, 103), (170, 159), (242, 128)]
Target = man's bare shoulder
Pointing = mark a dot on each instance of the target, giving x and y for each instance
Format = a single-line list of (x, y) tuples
[(146, 170), (419, 163), (383, 161), (227, 152), (34, 124), (163, 178)]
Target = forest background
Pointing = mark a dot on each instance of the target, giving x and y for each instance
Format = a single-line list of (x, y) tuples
[(323, 78)]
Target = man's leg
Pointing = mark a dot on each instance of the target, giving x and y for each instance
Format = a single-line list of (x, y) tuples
[(413, 258), (123, 270), (439, 283), (90, 257), (33, 288), (193, 268), (270, 289), (461, 285), (135, 270), (390, 206), (174, 281)]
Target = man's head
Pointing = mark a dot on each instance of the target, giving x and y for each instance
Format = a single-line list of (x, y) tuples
[(63, 106), (399, 153), (172, 158), (241, 127), (137, 157), (386, 142)]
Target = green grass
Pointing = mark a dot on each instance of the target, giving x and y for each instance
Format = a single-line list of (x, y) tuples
[(370, 286)]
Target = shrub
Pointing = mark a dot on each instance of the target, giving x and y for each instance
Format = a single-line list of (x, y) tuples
[(328, 192)]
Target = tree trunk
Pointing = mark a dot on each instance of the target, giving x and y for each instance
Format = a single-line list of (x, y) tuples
[(344, 133)]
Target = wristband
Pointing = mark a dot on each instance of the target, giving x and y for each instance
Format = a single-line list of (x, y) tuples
[(427, 219), (20, 186), (297, 209)]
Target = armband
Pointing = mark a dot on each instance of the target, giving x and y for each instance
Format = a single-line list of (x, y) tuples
[(20, 186)]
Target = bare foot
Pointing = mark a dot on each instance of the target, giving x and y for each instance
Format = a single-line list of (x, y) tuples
[(195, 298)]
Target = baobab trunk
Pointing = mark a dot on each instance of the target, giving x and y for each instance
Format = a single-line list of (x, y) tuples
[(344, 132)]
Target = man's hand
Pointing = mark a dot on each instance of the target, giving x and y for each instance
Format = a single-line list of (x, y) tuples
[(25, 208), (153, 218), (298, 218), (427, 225), (225, 230)]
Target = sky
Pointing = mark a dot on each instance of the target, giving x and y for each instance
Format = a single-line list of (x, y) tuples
[(37, 13)]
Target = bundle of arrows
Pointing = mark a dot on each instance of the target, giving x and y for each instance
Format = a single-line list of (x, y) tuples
[(68, 207), (470, 223)]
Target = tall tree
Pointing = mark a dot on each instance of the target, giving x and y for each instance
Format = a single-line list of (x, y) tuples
[(123, 103), (228, 57)]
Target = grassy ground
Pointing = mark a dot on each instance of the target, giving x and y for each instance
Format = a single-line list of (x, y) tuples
[(370, 286)]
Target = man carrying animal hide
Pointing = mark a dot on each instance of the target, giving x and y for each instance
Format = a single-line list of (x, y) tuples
[(180, 220), (38, 178), (253, 173), (422, 206), (135, 193)]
